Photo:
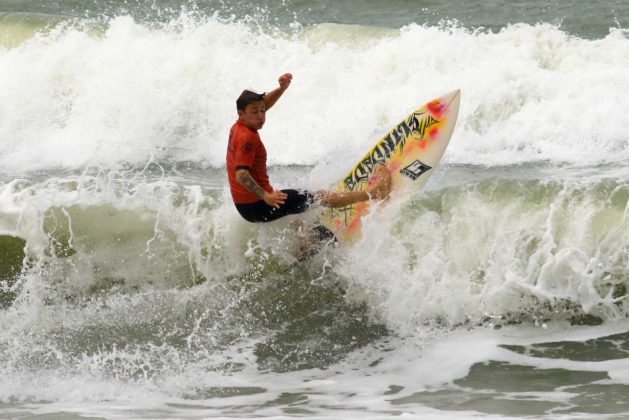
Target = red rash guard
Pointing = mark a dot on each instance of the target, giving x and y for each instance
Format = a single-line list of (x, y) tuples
[(246, 151)]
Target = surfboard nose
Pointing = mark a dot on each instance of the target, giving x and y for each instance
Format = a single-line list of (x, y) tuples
[(445, 104), (451, 97)]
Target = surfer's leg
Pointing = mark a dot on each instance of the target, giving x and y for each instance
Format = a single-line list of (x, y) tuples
[(312, 239), (296, 202), (380, 190)]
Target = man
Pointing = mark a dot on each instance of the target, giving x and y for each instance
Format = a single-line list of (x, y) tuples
[(255, 199)]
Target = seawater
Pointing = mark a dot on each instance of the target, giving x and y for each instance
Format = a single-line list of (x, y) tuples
[(131, 288)]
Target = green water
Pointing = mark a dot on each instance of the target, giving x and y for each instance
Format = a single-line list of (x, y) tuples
[(590, 19)]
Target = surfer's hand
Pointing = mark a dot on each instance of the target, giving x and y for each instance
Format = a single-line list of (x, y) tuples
[(285, 80), (275, 198)]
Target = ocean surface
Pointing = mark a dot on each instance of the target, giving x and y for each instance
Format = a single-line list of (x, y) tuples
[(131, 289)]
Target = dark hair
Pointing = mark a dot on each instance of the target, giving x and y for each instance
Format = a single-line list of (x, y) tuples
[(247, 97)]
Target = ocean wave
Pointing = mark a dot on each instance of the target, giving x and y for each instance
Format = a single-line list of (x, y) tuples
[(500, 247), (130, 92)]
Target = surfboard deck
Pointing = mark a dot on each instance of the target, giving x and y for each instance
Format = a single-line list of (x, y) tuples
[(410, 151)]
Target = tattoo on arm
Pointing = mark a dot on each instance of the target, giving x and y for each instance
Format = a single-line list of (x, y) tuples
[(247, 181)]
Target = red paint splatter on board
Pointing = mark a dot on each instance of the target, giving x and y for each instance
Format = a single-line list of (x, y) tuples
[(434, 133), (354, 223), (423, 144), (436, 108)]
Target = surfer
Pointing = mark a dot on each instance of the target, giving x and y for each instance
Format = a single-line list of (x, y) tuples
[(253, 195)]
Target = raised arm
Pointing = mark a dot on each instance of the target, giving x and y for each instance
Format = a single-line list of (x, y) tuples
[(271, 97)]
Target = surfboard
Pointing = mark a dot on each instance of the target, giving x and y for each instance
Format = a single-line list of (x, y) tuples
[(410, 151)]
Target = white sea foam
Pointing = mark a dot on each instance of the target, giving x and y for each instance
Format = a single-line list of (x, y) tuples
[(74, 97), (367, 390), (494, 249)]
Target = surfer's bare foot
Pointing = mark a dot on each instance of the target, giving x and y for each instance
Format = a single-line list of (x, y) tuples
[(382, 187)]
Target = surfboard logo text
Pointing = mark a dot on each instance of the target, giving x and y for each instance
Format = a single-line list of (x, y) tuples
[(415, 169), (417, 123)]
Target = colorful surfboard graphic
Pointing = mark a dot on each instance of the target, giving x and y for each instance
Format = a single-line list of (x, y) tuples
[(410, 151)]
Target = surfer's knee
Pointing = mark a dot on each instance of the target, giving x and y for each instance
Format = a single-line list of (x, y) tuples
[(382, 187), (323, 198)]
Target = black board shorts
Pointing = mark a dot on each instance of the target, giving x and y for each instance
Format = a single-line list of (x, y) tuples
[(260, 212)]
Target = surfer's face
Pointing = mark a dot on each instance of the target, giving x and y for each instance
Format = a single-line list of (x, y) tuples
[(254, 115)]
